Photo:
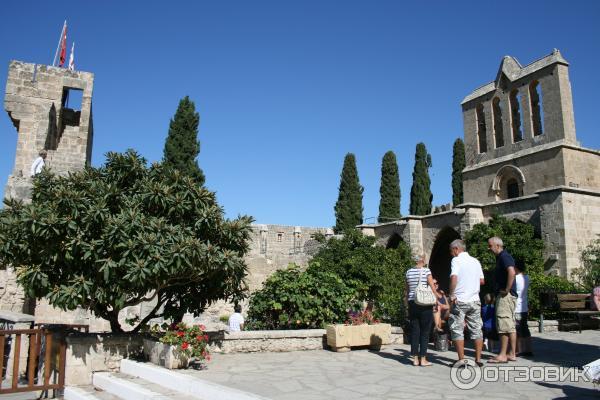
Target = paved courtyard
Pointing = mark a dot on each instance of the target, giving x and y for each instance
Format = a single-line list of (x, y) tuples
[(389, 374)]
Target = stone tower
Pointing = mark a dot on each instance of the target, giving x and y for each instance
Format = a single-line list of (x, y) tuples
[(51, 109)]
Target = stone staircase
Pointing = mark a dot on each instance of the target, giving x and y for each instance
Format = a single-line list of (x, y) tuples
[(144, 381)]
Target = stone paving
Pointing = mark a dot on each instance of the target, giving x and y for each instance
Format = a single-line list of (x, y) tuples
[(389, 374)]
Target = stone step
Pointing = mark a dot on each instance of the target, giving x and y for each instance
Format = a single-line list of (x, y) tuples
[(186, 384), (129, 387), (86, 393)]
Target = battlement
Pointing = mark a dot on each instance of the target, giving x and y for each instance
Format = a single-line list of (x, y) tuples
[(51, 109)]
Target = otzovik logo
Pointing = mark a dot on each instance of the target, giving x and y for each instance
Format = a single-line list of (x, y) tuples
[(466, 374)]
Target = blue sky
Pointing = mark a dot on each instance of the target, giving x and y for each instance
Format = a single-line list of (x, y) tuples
[(285, 89)]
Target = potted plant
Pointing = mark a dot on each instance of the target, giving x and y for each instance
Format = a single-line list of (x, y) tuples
[(361, 329), (178, 346)]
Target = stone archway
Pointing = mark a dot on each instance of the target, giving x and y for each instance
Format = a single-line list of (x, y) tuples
[(394, 241), (440, 258)]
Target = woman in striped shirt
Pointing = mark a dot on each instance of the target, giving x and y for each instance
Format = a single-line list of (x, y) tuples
[(421, 317)]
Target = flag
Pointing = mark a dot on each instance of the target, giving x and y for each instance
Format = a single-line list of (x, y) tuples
[(72, 58), (63, 47)]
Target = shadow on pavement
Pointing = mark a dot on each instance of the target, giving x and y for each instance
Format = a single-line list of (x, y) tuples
[(573, 392)]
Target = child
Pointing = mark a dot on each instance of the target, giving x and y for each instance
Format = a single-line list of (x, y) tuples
[(521, 311), (488, 315), (236, 320)]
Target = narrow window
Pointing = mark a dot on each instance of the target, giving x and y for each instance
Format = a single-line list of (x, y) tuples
[(498, 132), (71, 107), (481, 129), (537, 117), (512, 188), (515, 111), (279, 236), (297, 242), (263, 242)]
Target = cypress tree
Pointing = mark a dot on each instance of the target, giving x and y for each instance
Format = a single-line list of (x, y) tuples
[(458, 164), (348, 208), (389, 191), (182, 145), (420, 193)]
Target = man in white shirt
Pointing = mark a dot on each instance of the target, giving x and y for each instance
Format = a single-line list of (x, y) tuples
[(236, 320), (466, 278), (38, 163)]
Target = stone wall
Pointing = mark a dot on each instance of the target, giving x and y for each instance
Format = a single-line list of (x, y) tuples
[(581, 168), (89, 353), (541, 168), (581, 212), (12, 296)]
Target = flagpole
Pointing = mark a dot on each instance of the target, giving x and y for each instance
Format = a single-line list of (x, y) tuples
[(59, 40)]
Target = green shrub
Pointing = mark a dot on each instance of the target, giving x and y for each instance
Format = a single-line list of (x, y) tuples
[(295, 299), (588, 275), (224, 318), (520, 241), (377, 271)]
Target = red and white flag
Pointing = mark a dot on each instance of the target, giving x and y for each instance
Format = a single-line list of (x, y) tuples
[(63, 47), (72, 58)]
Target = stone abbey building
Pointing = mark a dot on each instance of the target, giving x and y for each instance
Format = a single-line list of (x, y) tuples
[(523, 162)]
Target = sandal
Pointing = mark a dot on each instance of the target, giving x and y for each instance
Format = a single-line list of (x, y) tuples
[(496, 361)]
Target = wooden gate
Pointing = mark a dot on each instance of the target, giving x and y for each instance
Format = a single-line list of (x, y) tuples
[(33, 359)]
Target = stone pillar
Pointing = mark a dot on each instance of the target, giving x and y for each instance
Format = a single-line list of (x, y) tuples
[(473, 215), (413, 234)]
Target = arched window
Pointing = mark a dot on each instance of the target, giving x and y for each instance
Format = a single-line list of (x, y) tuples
[(515, 113), (508, 183), (537, 117), (498, 131), (512, 188), (481, 129)]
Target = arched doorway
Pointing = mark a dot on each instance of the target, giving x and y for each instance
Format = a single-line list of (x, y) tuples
[(394, 241), (439, 261)]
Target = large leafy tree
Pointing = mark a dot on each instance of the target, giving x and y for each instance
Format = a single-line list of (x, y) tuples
[(111, 237), (420, 192), (389, 203), (182, 146), (348, 208), (458, 164), (520, 241)]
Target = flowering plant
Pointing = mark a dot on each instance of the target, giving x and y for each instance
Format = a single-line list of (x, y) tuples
[(191, 341), (361, 318)]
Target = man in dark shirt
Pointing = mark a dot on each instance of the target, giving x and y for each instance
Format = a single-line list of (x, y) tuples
[(506, 299)]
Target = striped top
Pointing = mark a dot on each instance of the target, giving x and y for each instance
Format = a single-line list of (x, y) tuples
[(412, 278)]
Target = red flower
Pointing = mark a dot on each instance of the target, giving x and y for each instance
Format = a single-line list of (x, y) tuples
[(199, 338), (202, 327), (184, 345), (206, 338), (180, 333), (208, 357)]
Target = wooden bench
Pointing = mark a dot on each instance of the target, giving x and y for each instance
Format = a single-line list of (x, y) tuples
[(575, 304)]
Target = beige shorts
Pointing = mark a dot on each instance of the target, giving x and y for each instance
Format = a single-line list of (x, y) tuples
[(505, 313)]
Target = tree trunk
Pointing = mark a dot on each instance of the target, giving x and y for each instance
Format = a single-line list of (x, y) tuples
[(113, 319)]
